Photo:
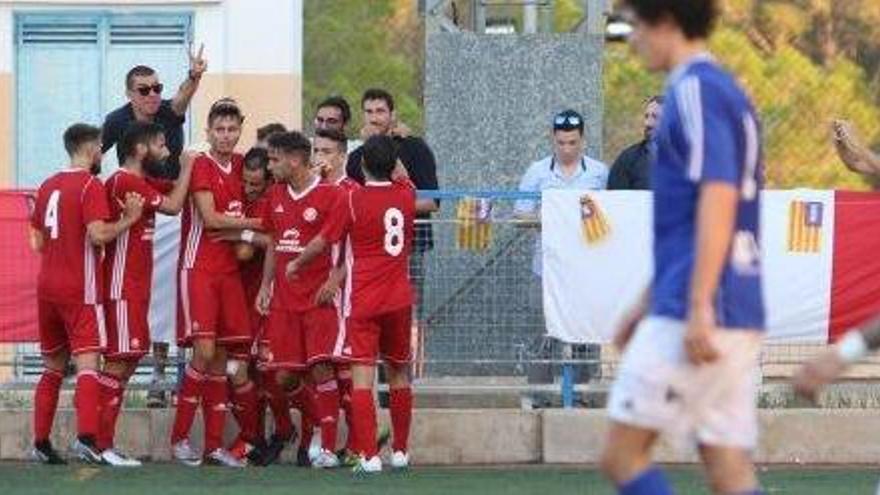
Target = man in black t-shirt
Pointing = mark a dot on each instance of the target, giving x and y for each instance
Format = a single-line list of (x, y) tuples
[(632, 169), (417, 158), (145, 104)]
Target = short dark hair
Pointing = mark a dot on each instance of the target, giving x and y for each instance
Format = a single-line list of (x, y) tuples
[(137, 71), (292, 142), (269, 129), (378, 94), (137, 133), (334, 135), (225, 107), (380, 156), (337, 102), (695, 18), (257, 159), (78, 134)]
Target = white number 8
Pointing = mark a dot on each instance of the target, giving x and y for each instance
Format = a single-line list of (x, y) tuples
[(51, 219), (393, 231)]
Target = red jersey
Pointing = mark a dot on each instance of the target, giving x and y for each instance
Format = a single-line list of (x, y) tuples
[(197, 250), (346, 184), (252, 269), (378, 219), (128, 261), (293, 220), (70, 269)]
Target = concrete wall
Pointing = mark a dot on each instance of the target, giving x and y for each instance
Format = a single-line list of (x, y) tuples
[(461, 437), (489, 101), (254, 51)]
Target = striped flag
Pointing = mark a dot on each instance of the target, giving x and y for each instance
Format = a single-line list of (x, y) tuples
[(474, 218), (595, 225), (804, 226)]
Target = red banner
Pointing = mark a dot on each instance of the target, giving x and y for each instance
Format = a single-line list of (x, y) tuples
[(18, 270)]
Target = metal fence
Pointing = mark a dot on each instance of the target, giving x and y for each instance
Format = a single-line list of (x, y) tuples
[(480, 321)]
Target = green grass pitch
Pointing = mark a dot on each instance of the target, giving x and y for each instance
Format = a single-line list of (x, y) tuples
[(167, 479)]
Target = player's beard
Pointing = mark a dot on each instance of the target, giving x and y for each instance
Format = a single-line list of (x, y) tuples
[(152, 166)]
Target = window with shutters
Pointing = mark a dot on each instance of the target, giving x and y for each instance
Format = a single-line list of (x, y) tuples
[(71, 67)]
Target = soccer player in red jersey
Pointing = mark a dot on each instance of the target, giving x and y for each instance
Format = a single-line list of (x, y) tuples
[(128, 269), (378, 219), (213, 314), (69, 226), (329, 153), (302, 330)]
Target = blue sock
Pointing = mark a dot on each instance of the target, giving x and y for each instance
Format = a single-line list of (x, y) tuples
[(651, 481)]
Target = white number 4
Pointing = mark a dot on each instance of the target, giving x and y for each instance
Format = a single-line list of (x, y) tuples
[(51, 220), (393, 231)]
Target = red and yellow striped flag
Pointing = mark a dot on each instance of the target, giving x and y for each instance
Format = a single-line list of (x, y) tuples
[(595, 225), (474, 216), (805, 226)]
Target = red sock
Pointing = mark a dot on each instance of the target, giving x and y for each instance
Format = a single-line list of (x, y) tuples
[(188, 399), (279, 406), (302, 399), (87, 401), (328, 412), (46, 402), (214, 407), (343, 378), (245, 401), (364, 419), (112, 389), (401, 404)]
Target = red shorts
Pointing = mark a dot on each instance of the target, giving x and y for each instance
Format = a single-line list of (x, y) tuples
[(299, 339), (128, 329), (78, 328), (387, 335), (212, 306)]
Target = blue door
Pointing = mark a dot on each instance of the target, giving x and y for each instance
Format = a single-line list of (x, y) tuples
[(71, 68)]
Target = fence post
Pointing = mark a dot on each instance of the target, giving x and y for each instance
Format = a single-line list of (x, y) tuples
[(567, 377)]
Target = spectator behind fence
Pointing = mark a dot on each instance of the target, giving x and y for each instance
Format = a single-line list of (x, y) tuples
[(567, 168), (417, 158), (145, 104), (631, 170)]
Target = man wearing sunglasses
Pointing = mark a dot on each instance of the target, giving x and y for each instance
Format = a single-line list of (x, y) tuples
[(145, 104)]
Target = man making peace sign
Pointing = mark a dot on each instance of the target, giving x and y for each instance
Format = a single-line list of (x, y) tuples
[(145, 104)]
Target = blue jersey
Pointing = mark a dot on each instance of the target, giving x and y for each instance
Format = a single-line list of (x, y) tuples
[(708, 133)]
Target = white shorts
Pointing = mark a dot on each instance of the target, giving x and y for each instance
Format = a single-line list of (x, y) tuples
[(712, 404)]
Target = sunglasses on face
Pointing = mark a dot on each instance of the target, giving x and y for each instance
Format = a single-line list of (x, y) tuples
[(145, 90)]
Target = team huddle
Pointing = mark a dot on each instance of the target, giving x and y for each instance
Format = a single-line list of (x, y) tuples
[(293, 283)]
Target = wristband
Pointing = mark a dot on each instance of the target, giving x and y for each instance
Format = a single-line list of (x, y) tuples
[(247, 235), (852, 347)]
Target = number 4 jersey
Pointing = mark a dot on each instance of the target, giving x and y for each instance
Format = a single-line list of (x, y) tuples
[(379, 221), (70, 268)]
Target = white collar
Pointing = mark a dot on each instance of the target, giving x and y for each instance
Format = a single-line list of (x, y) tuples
[(305, 192), (378, 183), (681, 68), (226, 169)]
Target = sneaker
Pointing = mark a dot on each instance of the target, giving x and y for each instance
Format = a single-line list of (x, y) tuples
[(241, 449), (273, 450), (368, 466), (183, 453), (315, 446), (156, 399), (399, 460), (114, 458), (347, 458), (302, 458), (325, 460), (45, 453), (86, 451), (222, 457)]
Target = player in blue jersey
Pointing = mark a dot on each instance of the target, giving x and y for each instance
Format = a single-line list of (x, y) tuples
[(691, 345)]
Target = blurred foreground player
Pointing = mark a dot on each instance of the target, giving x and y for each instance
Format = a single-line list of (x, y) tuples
[(692, 343)]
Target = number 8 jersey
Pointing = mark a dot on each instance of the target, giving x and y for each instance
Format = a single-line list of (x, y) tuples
[(379, 221)]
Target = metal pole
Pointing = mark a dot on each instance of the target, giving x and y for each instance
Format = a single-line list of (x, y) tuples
[(530, 18), (596, 16), (479, 11)]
